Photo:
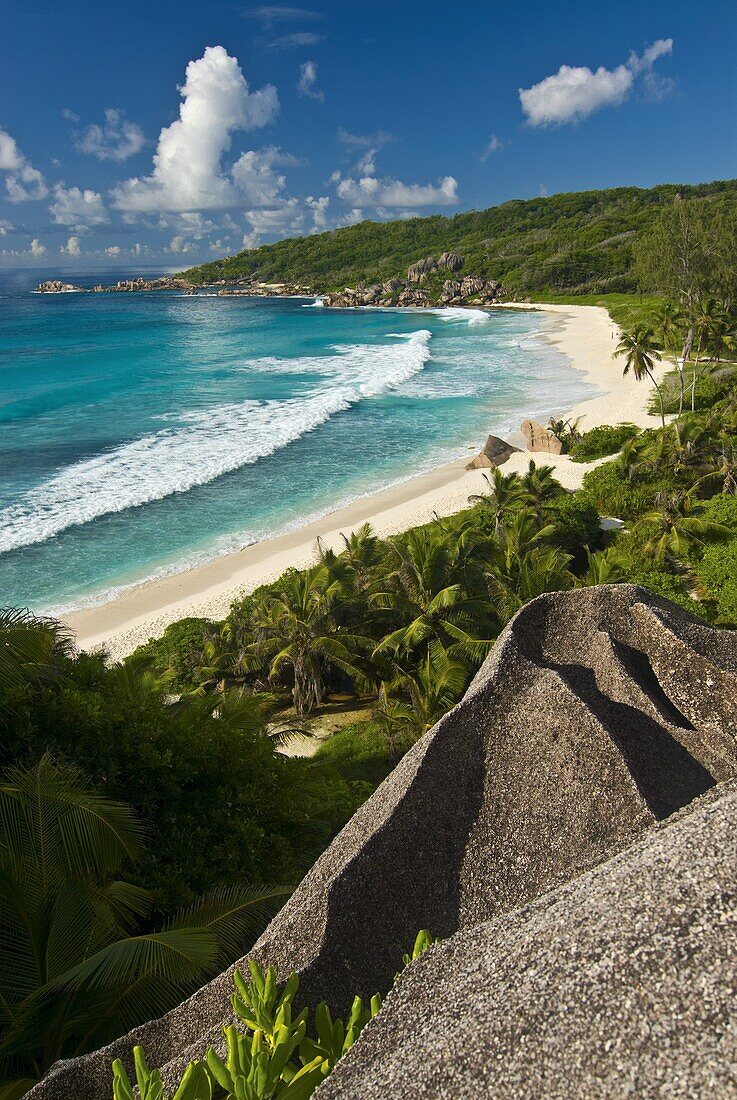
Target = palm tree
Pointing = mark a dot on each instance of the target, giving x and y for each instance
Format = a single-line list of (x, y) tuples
[(31, 648), (541, 569), (433, 686), (641, 354), (539, 488), (425, 591), (75, 971), (296, 629), (677, 526), (604, 567), (504, 494)]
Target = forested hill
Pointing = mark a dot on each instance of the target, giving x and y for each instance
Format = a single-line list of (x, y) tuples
[(576, 243)]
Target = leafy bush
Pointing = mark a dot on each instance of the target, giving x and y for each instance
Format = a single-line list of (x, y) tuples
[(179, 651), (608, 489), (722, 509), (576, 523), (604, 440), (717, 572)]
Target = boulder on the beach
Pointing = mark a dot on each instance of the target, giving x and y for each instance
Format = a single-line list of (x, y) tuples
[(590, 722), (494, 452), (540, 438)]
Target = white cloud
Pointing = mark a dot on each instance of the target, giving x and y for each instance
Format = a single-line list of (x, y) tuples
[(5, 227), (295, 41), (114, 250), (365, 141), (72, 247), (319, 210), (575, 92), (253, 175), (187, 172), (116, 139), (23, 182), (72, 206), (493, 145), (179, 244), (306, 85), (370, 191), (37, 249)]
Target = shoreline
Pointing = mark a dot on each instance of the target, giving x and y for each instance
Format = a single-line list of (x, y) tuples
[(586, 335)]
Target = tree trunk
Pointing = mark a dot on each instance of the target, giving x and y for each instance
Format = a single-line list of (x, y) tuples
[(660, 397)]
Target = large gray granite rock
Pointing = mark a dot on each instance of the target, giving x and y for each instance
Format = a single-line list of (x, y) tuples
[(619, 984), (598, 713)]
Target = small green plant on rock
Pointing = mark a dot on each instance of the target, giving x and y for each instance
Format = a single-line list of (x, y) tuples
[(274, 1058)]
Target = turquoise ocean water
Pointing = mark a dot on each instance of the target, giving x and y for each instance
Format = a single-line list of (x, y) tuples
[(140, 434)]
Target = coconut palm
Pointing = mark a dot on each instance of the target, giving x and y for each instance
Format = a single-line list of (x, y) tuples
[(604, 567), (432, 687), (541, 569), (75, 970), (641, 354), (503, 496), (31, 648), (425, 591), (296, 630), (677, 526), (538, 488)]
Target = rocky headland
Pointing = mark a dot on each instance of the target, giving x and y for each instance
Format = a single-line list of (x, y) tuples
[(425, 285), (428, 282), (568, 831)]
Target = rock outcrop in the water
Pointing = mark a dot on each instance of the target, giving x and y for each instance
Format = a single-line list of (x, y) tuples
[(599, 713), (494, 452), (56, 286)]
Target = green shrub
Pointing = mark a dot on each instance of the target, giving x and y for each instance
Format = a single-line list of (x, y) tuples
[(610, 492), (180, 650), (721, 509), (576, 523), (717, 572), (604, 440), (273, 1057)]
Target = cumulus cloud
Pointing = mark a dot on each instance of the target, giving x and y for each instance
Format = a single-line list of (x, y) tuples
[(114, 250), (187, 172), (37, 249), (307, 82), (117, 138), (6, 227), (575, 92), (71, 248), (72, 206), (369, 190), (254, 176), (318, 207), (23, 182)]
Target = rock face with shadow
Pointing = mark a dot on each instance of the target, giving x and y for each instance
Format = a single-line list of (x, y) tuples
[(599, 713)]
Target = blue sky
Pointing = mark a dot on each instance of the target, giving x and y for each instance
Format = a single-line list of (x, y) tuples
[(160, 134)]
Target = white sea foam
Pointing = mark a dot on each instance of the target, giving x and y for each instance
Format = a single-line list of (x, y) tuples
[(206, 444), (462, 313)]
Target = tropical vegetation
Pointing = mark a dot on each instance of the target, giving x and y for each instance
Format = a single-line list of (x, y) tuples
[(580, 243), (150, 806)]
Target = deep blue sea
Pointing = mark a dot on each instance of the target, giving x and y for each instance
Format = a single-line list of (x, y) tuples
[(142, 433)]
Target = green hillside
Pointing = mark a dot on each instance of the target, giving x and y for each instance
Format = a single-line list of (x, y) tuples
[(578, 243)]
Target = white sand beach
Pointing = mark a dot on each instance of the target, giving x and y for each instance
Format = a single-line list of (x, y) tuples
[(585, 334)]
